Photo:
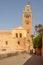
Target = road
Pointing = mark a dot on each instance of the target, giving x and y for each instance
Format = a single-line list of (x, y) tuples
[(22, 59), (34, 60), (19, 59)]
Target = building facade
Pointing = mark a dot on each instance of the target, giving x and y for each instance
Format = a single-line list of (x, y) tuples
[(19, 39)]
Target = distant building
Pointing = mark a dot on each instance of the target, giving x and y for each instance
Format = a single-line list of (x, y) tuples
[(19, 39)]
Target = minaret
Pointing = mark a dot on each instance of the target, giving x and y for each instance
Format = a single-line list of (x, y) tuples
[(27, 24)]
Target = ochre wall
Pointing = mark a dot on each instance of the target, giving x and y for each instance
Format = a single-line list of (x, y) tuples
[(12, 42)]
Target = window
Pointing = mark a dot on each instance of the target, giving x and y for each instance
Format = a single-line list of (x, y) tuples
[(20, 35), (3, 49), (27, 31), (27, 16), (27, 21), (28, 40), (6, 42), (18, 42), (16, 35)]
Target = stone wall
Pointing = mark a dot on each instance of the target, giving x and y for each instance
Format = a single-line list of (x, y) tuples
[(9, 43)]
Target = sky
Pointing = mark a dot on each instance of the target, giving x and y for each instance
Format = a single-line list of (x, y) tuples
[(11, 13)]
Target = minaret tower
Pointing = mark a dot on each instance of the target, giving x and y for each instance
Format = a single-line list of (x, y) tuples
[(27, 24)]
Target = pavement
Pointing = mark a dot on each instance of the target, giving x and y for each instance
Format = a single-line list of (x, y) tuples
[(19, 59), (34, 60), (22, 59)]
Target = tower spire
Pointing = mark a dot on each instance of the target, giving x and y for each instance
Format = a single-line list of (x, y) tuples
[(28, 3)]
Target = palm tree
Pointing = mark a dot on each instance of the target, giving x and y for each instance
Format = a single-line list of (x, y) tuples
[(36, 29), (39, 28), (32, 36)]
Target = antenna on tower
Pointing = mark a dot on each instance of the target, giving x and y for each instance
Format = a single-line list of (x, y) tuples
[(28, 2)]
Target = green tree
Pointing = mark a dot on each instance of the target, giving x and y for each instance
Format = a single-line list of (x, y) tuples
[(32, 36), (37, 41), (39, 28)]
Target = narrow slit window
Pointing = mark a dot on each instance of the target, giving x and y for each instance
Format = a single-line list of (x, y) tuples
[(16, 35), (18, 42), (20, 35), (6, 42)]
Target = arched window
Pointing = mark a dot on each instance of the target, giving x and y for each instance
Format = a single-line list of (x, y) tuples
[(27, 31), (6, 42), (27, 21), (16, 34), (18, 42), (20, 34), (28, 40)]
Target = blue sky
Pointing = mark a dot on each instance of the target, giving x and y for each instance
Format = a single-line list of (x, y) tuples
[(11, 13)]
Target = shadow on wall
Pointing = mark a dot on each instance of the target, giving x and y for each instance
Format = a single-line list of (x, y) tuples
[(34, 60)]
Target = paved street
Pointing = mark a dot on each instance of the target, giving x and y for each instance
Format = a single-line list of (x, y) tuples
[(22, 59), (34, 60), (15, 60)]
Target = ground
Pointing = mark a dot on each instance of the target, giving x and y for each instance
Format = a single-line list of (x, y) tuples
[(34, 60), (22, 59)]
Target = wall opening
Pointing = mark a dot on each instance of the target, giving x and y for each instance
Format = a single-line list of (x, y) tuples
[(6, 42), (16, 34), (18, 42), (20, 34)]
